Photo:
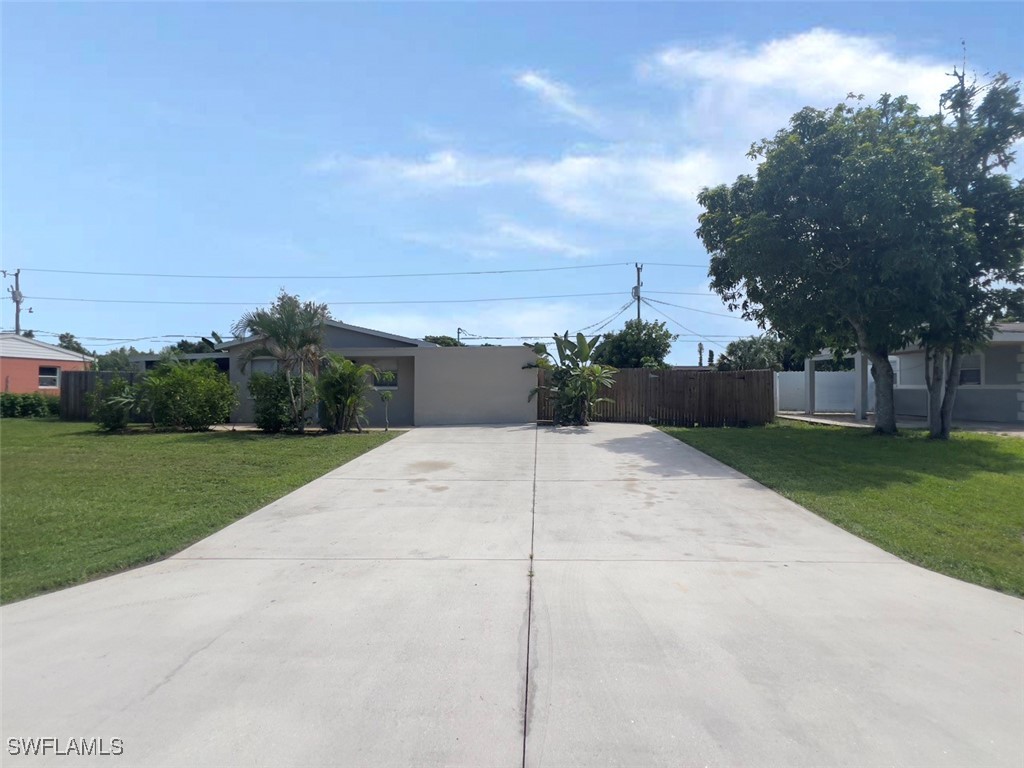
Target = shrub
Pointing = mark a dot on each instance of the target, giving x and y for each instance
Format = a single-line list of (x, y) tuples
[(190, 396), (28, 405), (343, 388), (273, 401), (112, 404)]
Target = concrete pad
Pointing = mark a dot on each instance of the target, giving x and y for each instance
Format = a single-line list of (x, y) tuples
[(625, 452), (276, 662), (355, 518), (411, 459), (747, 664), (499, 434), (694, 519), (682, 615)]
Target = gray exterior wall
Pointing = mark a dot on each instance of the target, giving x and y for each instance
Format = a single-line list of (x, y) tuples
[(1000, 398), (474, 385), (400, 409), (1001, 366)]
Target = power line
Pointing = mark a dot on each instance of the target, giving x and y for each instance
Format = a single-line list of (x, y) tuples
[(694, 309), (603, 323), (679, 293), (332, 303), (688, 330), (328, 277)]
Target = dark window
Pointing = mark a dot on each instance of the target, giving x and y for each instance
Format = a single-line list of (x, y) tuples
[(49, 376)]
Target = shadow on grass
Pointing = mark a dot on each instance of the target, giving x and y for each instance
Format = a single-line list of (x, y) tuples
[(837, 459)]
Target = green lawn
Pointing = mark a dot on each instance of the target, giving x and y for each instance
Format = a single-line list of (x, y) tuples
[(76, 503), (956, 507)]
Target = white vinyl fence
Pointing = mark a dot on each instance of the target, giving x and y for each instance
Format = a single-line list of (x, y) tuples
[(833, 391)]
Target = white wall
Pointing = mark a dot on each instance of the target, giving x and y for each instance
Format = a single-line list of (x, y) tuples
[(833, 391), (474, 385)]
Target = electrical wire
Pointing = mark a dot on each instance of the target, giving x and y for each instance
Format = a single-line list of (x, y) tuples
[(331, 303), (327, 277), (688, 330), (694, 309)]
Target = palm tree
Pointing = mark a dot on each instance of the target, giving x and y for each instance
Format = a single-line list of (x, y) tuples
[(292, 332)]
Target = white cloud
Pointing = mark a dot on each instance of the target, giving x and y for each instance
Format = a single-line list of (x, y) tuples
[(619, 186), (822, 65), (558, 96), (645, 179), (500, 238)]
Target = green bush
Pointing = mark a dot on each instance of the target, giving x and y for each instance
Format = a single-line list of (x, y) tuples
[(112, 403), (271, 402), (343, 388), (28, 405), (189, 396)]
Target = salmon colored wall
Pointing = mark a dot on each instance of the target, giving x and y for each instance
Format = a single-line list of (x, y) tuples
[(20, 375)]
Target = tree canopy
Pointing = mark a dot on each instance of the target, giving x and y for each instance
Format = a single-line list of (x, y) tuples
[(640, 344), (845, 237), (444, 341), (68, 341)]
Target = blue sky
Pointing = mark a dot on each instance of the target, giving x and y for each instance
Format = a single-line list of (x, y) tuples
[(303, 141)]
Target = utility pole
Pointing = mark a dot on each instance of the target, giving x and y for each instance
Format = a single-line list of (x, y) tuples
[(636, 288), (17, 297)]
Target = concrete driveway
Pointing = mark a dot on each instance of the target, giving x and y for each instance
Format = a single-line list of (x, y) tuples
[(384, 615)]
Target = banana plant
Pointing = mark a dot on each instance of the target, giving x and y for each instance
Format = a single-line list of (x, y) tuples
[(572, 377)]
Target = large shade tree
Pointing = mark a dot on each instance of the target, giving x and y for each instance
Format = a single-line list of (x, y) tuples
[(292, 332), (640, 344), (980, 124), (844, 237)]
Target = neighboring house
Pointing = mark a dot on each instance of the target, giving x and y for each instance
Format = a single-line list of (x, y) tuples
[(991, 381), (27, 365), (431, 385)]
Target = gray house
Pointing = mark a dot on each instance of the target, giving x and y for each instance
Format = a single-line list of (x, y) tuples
[(430, 385), (991, 381)]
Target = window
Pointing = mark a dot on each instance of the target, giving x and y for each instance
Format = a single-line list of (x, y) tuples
[(387, 374), (49, 377), (970, 369)]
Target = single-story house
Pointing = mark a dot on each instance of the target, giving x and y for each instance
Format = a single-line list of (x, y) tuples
[(430, 385), (991, 383), (991, 380), (28, 365)]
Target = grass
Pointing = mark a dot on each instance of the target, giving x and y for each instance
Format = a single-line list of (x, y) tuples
[(76, 504), (955, 507)]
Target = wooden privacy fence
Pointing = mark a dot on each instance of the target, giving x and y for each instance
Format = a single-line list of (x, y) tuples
[(76, 386), (682, 398)]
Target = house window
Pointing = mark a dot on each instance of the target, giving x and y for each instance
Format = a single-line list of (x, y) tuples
[(970, 370), (49, 377), (387, 374)]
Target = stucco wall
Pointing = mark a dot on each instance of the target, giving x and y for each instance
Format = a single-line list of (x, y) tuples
[(400, 409), (1001, 364), (474, 385)]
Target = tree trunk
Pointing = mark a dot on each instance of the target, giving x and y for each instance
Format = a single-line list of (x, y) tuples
[(885, 402), (934, 367), (949, 396)]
